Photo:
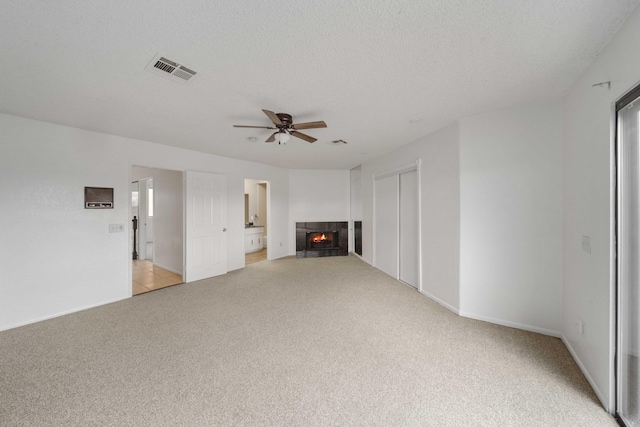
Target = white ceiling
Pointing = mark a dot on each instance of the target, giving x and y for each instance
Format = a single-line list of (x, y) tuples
[(368, 68)]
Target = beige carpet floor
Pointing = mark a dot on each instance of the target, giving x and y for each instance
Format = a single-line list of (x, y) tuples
[(291, 342)]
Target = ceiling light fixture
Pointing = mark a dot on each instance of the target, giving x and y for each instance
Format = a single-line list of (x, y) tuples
[(282, 137)]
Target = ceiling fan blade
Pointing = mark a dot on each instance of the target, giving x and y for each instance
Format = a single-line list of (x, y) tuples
[(256, 127), (309, 125), (273, 117), (272, 137), (303, 136)]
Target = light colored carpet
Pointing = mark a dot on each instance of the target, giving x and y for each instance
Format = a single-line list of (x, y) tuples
[(291, 342)]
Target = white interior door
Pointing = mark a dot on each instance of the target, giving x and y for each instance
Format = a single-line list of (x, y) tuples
[(206, 217), (386, 225), (409, 230)]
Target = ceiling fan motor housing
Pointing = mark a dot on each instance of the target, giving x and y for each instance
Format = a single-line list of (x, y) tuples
[(286, 120)]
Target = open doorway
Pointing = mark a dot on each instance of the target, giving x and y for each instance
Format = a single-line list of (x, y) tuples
[(157, 228), (256, 220)]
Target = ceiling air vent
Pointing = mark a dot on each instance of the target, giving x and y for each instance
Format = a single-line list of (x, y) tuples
[(171, 70)]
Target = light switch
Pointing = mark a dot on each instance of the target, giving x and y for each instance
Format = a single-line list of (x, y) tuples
[(116, 228), (586, 244)]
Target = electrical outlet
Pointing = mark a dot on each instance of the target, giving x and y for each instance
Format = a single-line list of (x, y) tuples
[(116, 228), (586, 244)]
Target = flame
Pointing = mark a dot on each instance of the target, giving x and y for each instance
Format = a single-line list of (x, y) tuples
[(319, 239)]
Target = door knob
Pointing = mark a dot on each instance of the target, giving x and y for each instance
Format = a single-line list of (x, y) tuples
[(224, 229)]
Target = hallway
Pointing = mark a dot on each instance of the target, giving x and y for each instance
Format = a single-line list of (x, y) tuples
[(147, 277), (253, 257)]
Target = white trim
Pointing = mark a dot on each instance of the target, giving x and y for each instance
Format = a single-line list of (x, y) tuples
[(419, 178), (510, 324), (63, 313), (373, 221), (397, 272), (358, 256), (397, 171), (167, 268), (441, 302), (269, 221), (615, 178), (129, 291), (585, 372)]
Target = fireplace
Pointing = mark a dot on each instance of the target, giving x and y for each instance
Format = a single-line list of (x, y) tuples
[(320, 239)]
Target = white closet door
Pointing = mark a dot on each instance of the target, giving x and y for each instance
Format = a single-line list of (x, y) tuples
[(628, 351), (386, 225), (409, 231)]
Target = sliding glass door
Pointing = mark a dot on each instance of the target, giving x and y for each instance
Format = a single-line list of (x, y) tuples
[(628, 348)]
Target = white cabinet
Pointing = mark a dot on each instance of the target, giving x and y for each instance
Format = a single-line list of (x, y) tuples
[(253, 239)]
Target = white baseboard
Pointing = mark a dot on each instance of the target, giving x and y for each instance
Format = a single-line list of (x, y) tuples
[(442, 303), (358, 256), (529, 328), (164, 267), (585, 372), (510, 324), (63, 313)]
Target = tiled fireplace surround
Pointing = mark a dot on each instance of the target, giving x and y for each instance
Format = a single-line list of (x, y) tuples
[(337, 248)]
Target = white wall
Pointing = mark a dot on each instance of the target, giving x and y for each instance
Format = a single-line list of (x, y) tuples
[(440, 209), (57, 257), (317, 195), (511, 218), (355, 177), (587, 283), (440, 191), (168, 222)]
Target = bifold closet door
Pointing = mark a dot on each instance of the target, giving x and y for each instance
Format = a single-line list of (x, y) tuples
[(386, 225), (408, 228)]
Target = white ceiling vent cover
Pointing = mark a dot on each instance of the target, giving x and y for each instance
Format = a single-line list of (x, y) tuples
[(171, 70)]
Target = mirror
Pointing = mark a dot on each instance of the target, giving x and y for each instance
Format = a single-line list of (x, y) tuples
[(246, 208)]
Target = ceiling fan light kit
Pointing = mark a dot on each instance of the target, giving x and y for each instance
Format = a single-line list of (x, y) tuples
[(282, 137), (285, 128)]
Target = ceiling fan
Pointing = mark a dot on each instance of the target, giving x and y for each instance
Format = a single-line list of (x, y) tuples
[(283, 123)]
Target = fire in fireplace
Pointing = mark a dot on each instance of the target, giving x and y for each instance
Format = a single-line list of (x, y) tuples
[(322, 240)]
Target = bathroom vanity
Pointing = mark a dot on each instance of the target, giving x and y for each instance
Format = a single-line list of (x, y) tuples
[(253, 240)]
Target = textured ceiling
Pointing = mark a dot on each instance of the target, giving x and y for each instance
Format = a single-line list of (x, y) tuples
[(380, 73)]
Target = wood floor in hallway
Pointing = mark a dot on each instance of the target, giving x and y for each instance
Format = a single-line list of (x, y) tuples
[(148, 277), (258, 256)]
